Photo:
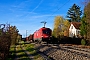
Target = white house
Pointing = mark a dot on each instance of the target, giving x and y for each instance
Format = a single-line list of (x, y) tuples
[(74, 30)]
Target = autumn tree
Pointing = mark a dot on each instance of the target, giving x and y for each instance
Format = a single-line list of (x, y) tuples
[(14, 33), (61, 27), (5, 41), (19, 38), (58, 20), (85, 2), (66, 28), (74, 13)]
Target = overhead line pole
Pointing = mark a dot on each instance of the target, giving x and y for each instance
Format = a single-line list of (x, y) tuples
[(44, 23)]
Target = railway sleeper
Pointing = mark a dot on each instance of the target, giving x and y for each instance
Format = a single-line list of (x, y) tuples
[(81, 53), (45, 56)]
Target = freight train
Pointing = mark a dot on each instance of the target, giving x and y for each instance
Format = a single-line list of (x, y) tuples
[(43, 34)]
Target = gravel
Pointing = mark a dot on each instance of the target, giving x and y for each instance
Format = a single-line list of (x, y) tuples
[(60, 54)]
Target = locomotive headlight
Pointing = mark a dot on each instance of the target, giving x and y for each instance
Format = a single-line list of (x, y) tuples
[(50, 36)]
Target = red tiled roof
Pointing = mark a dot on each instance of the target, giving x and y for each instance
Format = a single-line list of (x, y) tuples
[(76, 24)]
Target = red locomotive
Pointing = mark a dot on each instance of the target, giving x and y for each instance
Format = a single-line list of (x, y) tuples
[(43, 34)]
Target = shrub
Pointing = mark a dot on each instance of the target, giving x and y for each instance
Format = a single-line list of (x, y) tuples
[(5, 43), (83, 42)]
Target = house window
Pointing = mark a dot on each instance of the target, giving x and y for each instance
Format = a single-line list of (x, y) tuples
[(71, 27), (78, 32)]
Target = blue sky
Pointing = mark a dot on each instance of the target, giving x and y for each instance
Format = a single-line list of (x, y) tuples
[(27, 14)]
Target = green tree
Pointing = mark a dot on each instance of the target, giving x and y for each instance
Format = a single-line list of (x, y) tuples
[(74, 13), (87, 18), (83, 26)]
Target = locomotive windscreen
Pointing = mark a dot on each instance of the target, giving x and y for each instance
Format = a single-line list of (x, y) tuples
[(47, 31)]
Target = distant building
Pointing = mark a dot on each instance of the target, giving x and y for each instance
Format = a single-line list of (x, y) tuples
[(74, 30)]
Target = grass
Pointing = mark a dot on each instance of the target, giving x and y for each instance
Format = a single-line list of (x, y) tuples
[(21, 54), (11, 53), (17, 52), (32, 51)]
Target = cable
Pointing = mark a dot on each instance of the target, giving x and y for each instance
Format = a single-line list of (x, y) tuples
[(58, 9), (37, 6)]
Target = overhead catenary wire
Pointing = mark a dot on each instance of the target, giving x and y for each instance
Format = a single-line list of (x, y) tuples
[(37, 6), (57, 10), (53, 12)]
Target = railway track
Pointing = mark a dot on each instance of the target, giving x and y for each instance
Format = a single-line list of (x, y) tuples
[(55, 52), (39, 51), (58, 51), (45, 57), (79, 51)]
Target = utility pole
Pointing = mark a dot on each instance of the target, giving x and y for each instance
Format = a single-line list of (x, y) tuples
[(26, 33), (44, 23)]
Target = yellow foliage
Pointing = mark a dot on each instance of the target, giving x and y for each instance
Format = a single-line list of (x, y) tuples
[(60, 25)]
